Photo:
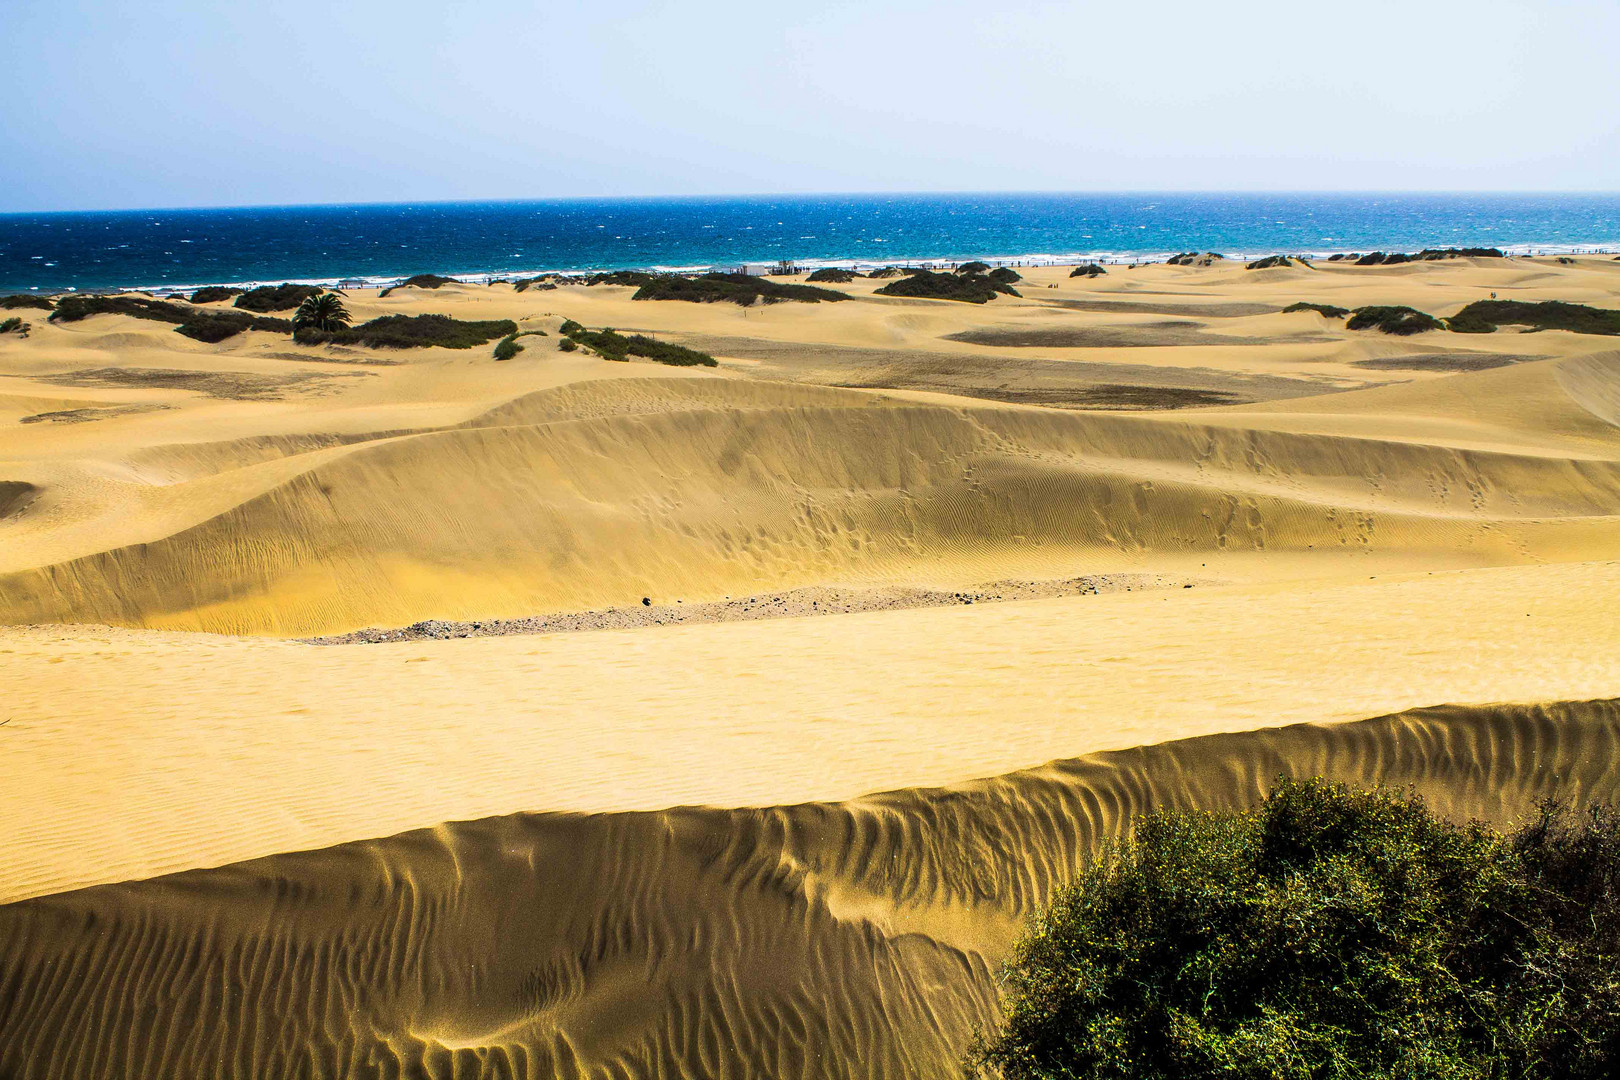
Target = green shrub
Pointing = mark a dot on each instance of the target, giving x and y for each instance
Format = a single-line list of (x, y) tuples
[(973, 268), (1088, 270), (1193, 258), (611, 345), (635, 278), (216, 328), (419, 281), (833, 274), (730, 288), (275, 297), (213, 294), (968, 288), (889, 272), (412, 332), (76, 307), (1402, 321), (1004, 275), (567, 345), (1321, 309), (507, 347), (13, 325), (1484, 316), (543, 281), (323, 311), (25, 300), (1271, 262), (1329, 934)]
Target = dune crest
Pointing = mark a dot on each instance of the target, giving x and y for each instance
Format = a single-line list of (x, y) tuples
[(857, 938)]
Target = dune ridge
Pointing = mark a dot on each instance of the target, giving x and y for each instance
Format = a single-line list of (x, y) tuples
[(597, 494), (834, 939)]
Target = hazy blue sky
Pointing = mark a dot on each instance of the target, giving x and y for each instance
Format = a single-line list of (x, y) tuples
[(182, 102)]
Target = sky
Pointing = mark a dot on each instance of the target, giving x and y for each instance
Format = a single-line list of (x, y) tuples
[(190, 103)]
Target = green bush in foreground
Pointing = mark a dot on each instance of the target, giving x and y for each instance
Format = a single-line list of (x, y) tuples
[(611, 345), (1484, 316), (1328, 935), (1401, 321), (507, 347), (1329, 310), (13, 325)]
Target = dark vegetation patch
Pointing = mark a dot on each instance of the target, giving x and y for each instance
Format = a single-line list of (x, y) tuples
[(544, 281), (507, 347), (1442, 361), (1194, 258), (420, 281), (740, 289), (1088, 270), (412, 332), (213, 294), (889, 272), (1392, 319), (216, 328), (834, 275), (267, 298), (1327, 934), (1271, 262), (86, 415), (75, 308), (973, 268), (1395, 258), (24, 300), (1328, 310), (1137, 396), (14, 325), (611, 345), (968, 288), (1005, 275), (1484, 316)]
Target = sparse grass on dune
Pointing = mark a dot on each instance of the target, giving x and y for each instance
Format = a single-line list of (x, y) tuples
[(611, 345), (16, 301), (1330, 311)]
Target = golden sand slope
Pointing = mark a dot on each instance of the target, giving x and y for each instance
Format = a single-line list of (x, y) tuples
[(820, 940)]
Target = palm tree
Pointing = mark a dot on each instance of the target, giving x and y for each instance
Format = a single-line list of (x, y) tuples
[(322, 311)]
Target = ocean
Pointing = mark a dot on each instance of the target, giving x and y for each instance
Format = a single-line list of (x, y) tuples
[(378, 244)]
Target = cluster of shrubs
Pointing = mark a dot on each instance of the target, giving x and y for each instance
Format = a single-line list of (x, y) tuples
[(889, 272), (25, 300), (276, 297), (1484, 316), (14, 325), (213, 294), (199, 325), (1328, 934), (1329, 310), (1380, 258), (420, 281), (1088, 270), (1193, 258), (1271, 262), (543, 281), (833, 274), (507, 347), (971, 288), (611, 345), (742, 289), (1393, 319), (411, 332)]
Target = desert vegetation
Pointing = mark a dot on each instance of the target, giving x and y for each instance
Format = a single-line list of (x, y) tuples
[(1330, 933), (1005, 275), (1193, 258), (968, 288), (1393, 319), (412, 332), (275, 297), (1395, 258), (212, 328), (611, 345), (1484, 316), (323, 311), (889, 272), (1328, 310), (420, 281), (213, 294), (973, 268), (14, 325), (833, 274), (1271, 262), (717, 288), (507, 347), (17, 301), (1088, 270)]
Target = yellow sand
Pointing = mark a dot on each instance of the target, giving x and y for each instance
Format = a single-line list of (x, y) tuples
[(1365, 538)]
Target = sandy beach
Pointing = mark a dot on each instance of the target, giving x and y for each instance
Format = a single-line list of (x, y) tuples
[(409, 712)]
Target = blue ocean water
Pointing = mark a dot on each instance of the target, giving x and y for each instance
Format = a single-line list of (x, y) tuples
[(170, 248)]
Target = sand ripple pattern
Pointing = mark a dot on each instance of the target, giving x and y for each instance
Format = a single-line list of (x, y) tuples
[(856, 939)]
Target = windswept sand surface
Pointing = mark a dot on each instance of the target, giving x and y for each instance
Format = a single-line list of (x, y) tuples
[(1371, 525)]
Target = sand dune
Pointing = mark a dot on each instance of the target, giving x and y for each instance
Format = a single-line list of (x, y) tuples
[(847, 939), (1365, 524)]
